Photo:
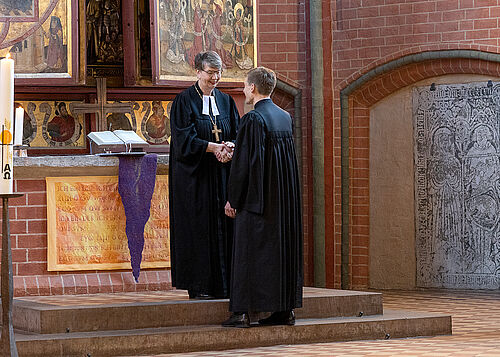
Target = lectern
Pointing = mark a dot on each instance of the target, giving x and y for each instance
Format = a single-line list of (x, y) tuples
[(8, 341)]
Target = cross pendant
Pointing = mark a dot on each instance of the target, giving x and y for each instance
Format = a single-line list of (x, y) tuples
[(216, 131)]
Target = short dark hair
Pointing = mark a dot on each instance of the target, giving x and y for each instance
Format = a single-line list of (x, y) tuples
[(263, 78), (210, 58)]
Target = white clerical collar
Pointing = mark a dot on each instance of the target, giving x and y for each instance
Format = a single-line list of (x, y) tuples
[(206, 110)]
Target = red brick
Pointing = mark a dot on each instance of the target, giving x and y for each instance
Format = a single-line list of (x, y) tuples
[(18, 227), (31, 285), (19, 255), (474, 14), (453, 36), (116, 282), (37, 198), (31, 212), (43, 285), (425, 6), (479, 34), (453, 15), (17, 201), (80, 284), (32, 241), (267, 28), (19, 287), (37, 255), (56, 286), (31, 186), (165, 279), (104, 283), (128, 282), (360, 260), (267, 9), (446, 26), (389, 10), (93, 283), (31, 268), (37, 226), (68, 284)]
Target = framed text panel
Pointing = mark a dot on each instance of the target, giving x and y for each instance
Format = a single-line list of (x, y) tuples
[(86, 225)]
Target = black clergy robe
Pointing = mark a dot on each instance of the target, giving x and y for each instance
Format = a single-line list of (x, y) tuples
[(200, 233), (267, 270)]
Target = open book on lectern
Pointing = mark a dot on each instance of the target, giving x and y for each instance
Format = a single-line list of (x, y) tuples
[(118, 141)]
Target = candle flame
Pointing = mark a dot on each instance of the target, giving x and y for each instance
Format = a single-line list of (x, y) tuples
[(8, 56)]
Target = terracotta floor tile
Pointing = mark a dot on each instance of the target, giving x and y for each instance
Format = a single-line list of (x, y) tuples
[(476, 330)]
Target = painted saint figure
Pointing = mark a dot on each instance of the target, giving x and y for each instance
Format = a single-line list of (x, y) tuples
[(240, 51), (157, 125), (62, 127), (55, 50), (176, 50), (199, 42)]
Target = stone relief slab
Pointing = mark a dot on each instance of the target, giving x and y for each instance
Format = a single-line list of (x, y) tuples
[(457, 185)]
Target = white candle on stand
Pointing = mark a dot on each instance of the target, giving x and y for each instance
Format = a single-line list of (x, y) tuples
[(18, 131), (6, 123)]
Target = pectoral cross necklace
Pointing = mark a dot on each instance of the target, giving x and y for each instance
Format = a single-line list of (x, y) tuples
[(213, 120)]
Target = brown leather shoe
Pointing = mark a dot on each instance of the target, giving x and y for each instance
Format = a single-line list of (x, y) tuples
[(279, 318), (237, 320)]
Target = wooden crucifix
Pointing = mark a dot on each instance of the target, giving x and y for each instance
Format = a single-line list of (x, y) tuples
[(102, 107)]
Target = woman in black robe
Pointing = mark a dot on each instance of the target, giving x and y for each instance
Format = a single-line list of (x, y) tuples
[(200, 233)]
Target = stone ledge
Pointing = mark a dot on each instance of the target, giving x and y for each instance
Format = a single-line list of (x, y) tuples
[(74, 165)]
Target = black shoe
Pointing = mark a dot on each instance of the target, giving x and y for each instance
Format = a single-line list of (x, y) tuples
[(279, 318), (203, 297), (199, 296), (237, 320)]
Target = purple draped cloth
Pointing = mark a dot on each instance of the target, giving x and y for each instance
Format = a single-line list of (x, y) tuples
[(136, 183)]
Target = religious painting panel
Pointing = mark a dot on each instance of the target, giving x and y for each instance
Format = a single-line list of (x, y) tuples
[(41, 37), (457, 185), (149, 119), (104, 38), (52, 124), (183, 28), (144, 38), (86, 225)]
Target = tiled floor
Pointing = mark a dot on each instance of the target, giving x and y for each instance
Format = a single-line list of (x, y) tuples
[(476, 330)]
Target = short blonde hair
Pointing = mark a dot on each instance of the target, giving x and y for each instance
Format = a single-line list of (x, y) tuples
[(263, 78)]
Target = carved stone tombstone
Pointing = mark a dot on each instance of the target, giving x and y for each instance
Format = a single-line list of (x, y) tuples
[(457, 185)]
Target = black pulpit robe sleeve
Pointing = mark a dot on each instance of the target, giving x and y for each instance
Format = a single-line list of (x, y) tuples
[(246, 181), (190, 149), (235, 115)]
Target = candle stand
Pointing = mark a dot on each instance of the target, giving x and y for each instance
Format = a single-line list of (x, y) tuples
[(8, 341)]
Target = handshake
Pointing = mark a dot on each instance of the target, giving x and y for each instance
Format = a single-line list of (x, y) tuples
[(224, 152)]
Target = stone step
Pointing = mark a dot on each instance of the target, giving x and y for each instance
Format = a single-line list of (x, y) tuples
[(393, 324), (128, 311)]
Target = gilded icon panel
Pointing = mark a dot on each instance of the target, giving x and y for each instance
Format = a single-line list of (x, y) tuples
[(186, 27), (38, 36), (150, 119), (51, 124)]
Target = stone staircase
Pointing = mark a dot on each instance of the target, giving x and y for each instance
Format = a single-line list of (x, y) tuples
[(148, 323)]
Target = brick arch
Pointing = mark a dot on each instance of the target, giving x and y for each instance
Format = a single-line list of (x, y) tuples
[(356, 100), (416, 51)]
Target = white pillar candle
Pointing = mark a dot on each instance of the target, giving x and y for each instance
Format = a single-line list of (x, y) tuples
[(18, 131), (6, 123)]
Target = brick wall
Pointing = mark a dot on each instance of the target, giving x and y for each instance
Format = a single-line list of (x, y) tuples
[(366, 34), (283, 47), (28, 228)]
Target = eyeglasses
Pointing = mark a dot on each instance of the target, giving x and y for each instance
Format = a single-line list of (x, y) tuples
[(212, 73)]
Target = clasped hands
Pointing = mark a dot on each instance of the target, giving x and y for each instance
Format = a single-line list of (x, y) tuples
[(224, 152)]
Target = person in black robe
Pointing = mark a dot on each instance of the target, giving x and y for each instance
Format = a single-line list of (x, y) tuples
[(264, 198), (200, 148)]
